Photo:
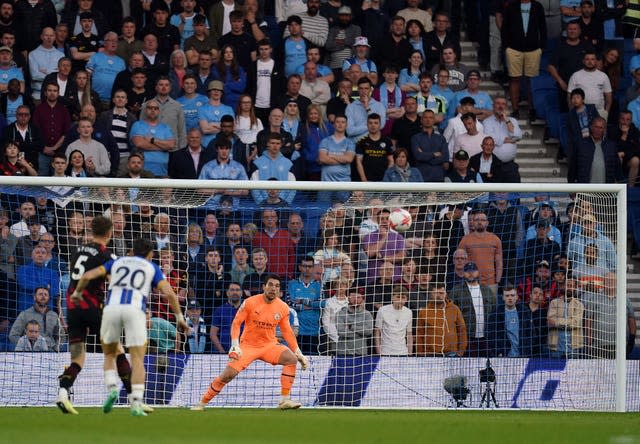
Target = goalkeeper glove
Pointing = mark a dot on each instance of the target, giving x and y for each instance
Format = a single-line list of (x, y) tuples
[(235, 352), (302, 359)]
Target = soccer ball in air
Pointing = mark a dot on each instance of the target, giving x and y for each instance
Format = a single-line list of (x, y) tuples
[(400, 220)]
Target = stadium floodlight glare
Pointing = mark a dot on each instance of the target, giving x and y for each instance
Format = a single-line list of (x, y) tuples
[(346, 369)]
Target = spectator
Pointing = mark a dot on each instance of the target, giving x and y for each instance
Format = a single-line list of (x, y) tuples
[(485, 249), (337, 106), (167, 35), (241, 269), (477, 302), (596, 157), (118, 121), (430, 150), (336, 153), (539, 329), (46, 319), (231, 74), (72, 16), (220, 332), (8, 70), (441, 87), (312, 131), (523, 43), (254, 22), (303, 244), (506, 133), (374, 153), (210, 114), (201, 41), (219, 17), (471, 140), (12, 99), (455, 274), (323, 72), (197, 338), (84, 43), (510, 328), (273, 164), (354, 325), (340, 40), (96, 156), (43, 60), (436, 39), (565, 318), (33, 275), (27, 209), (402, 171), (191, 101), (30, 20), (26, 244), (252, 284), (331, 256), (265, 81), (171, 112), (393, 333), (460, 171), (627, 139), (137, 92), (222, 167), (209, 281), (53, 120), (153, 137), (483, 102), (32, 341), (544, 211), (292, 93), (155, 62), (579, 120), (410, 76), (247, 125), (594, 83), (314, 88), (188, 162), (540, 278), (383, 245), (395, 48), (457, 71), (441, 329), (128, 44), (14, 162), (63, 79), (455, 126), (360, 52), (135, 169), (314, 26), (541, 248), (589, 234), (305, 296), (244, 44), (487, 164), (406, 127), (277, 244)]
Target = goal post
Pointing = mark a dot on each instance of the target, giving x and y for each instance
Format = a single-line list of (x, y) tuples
[(361, 268)]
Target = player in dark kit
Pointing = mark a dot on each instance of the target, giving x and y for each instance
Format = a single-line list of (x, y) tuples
[(83, 318)]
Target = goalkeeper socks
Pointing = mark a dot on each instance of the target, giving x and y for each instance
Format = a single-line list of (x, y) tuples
[(286, 379), (124, 371), (137, 393), (111, 380), (216, 386), (68, 377)]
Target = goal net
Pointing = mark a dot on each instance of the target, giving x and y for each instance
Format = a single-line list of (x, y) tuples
[(503, 297)]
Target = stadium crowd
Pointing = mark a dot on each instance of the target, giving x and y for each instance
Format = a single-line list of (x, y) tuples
[(335, 91)]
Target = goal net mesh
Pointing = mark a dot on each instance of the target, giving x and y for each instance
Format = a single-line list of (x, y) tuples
[(483, 299)]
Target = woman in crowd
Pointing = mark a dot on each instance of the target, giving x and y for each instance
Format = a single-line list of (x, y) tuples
[(457, 71), (177, 71), (410, 77), (401, 171), (85, 95), (229, 72), (312, 132), (77, 165), (247, 126), (14, 163)]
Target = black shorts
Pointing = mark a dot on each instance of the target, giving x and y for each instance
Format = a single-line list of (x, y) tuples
[(83, 322)]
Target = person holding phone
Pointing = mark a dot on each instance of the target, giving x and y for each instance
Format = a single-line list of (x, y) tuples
[(14, 163)]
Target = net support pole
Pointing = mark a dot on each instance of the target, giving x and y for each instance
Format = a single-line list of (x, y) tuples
[(621, 302)]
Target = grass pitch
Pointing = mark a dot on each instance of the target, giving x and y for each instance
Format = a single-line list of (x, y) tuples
[(265, 426)]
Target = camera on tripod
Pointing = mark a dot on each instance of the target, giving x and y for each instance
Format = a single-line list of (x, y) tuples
[(456, 386), (488, 377)]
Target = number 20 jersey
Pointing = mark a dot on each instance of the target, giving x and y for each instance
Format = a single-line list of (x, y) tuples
[(87, 257), (132, 278)]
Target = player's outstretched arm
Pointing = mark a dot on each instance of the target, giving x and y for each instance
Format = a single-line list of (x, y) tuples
[(165, 288), (98, 272)]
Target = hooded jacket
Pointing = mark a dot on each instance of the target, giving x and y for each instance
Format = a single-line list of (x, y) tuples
[(440, 329)]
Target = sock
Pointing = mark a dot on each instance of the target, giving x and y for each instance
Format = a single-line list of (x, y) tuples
[(216, 386), (69, 375), (137, 393), (286, 379), (111, 380), (124, 371)]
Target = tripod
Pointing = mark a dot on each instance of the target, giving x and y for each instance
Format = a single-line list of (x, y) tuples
[(489, 395)]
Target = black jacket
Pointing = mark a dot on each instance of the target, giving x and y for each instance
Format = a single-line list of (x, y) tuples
[(495, 170), (31, 144), (181, 163), (278, 82), (70, 13), (513, 35), (499, 343), (584, 159)]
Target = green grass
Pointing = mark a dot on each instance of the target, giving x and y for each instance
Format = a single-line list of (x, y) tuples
[(48, 425)]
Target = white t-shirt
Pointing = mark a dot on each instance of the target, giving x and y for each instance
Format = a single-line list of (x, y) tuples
[(226, 23), (394, 326), (478, 307), (594, 84), (263, 87)]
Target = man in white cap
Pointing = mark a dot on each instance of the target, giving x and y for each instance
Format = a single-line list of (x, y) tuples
[(340, 41), (361, 50), (209, 115)]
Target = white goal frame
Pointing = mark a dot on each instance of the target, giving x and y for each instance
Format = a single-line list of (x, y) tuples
[(620, 190)]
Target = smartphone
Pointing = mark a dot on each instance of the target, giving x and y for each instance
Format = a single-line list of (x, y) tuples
[(21, 155)]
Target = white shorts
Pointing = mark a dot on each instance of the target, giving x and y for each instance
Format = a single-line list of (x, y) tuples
[(117, 317)]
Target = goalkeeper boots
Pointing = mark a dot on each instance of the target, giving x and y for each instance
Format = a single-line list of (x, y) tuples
[(287, 404), (137, 411), (199, 407), (112, 397), (147, 408), (63, 402)]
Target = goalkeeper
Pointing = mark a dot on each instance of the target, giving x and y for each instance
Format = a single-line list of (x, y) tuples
[(261, 315)]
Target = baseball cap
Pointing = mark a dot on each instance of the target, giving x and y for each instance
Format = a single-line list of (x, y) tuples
[(6, 48), (461, 155), (361, 41), (215, 84), (542, 263), (470, 266), (192, 305), (344, 10), (474, 72), (86, 15), (294, 19)]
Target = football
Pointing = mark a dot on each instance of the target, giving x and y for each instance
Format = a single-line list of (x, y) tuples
[(399, 220)]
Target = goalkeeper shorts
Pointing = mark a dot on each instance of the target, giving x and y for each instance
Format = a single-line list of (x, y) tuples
[(269, 353)]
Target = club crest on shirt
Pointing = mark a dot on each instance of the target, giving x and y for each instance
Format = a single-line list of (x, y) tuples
[(277, 317)]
